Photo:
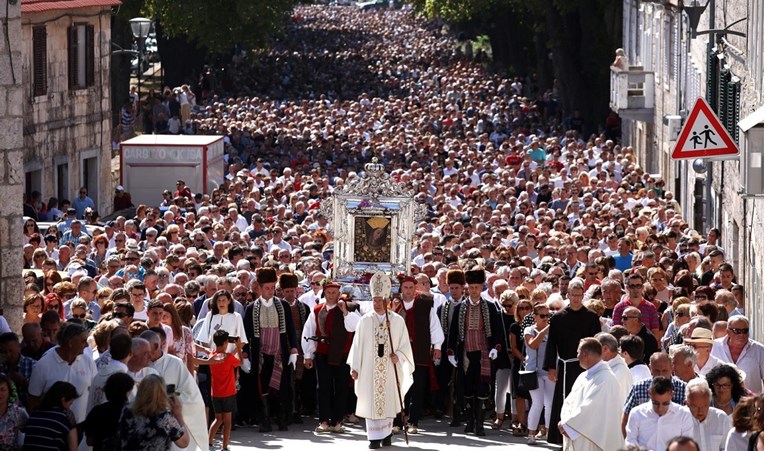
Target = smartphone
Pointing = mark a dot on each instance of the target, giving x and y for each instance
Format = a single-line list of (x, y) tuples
[(233, 339), (170, 389)]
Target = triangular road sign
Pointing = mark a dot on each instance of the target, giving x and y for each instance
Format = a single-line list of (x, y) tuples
[(703, 135)]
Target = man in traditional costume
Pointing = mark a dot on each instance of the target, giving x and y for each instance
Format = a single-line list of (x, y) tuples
[(474, 340), (174, 371), (303, 380), (446, 374), (567, 327), (587, 422), (426, 338), (381, 364), (272, 343), (327, 338)]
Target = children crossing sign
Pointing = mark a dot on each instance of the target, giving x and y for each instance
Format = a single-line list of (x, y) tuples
[(703, 136)]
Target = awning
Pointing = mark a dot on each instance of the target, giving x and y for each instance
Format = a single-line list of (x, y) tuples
[(753, 120)]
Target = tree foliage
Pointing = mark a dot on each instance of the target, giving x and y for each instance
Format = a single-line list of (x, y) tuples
[(219, 25), (578, 36)]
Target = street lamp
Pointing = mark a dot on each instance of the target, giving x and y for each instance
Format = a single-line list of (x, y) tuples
[(694, 10), (140, 26)]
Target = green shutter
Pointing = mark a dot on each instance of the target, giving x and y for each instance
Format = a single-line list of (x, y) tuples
[(732, 107), (713, 72)]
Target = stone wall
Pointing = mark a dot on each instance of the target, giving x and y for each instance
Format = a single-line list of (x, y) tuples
[(739, 217), (69, 125), (11, 175)]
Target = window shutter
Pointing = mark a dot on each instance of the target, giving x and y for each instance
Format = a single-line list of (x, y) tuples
[(732, 104), (712, 77), (90, 57), (40, 61), (722, 96), (72, 60)]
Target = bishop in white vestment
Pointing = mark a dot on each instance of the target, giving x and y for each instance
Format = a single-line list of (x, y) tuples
[(587, 418), (373, 361)]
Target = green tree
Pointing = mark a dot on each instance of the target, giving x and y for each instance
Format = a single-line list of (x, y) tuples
[(218, 25), (577, 36), (191, 32)]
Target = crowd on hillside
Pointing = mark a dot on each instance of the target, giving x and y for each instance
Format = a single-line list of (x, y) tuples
[(549, 263)]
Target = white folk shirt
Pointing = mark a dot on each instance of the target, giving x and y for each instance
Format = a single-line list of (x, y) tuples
[(651, 431), (310, 298), (52, 368), (710, 433), (351, 321), (750, 361)]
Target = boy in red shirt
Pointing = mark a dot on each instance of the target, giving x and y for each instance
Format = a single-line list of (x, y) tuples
[(223, 384)]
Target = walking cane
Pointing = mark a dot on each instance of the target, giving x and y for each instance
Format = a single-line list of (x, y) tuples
[(398, 386)]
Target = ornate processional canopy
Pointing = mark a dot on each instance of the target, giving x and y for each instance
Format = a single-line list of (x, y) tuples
[(373, 220)]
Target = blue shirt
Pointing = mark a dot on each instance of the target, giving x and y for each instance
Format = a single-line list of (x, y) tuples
[(623, 263), (79, 204)]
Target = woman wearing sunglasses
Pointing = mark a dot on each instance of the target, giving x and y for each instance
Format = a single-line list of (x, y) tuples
[(79, 312), (536, 344), (33, 307)]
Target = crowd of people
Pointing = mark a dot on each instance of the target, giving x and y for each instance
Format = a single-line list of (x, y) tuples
[(552, 282)]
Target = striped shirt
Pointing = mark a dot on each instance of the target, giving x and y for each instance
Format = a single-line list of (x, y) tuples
[(48, 429), (649, 312)]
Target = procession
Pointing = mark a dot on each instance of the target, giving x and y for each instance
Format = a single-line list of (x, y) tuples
[(404, 243)]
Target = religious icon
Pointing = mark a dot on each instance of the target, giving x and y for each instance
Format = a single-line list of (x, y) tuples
[(372, 239)]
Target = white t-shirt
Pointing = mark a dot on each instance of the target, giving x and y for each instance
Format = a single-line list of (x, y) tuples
[(230, 322), (52, 368)]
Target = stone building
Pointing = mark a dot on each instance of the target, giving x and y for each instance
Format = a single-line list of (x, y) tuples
[(67, 100), (11, 177), (673, 61)]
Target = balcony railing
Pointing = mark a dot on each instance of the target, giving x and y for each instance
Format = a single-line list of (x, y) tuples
[(632, 93)]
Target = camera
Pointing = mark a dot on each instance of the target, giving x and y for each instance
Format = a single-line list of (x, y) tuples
[(233, 339), (170, 389)]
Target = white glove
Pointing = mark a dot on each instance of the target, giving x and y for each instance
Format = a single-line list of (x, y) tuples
[(246, 366), (493, 354), (453, 361), (293, 360)]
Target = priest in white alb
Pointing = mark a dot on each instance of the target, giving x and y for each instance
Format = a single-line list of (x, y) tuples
[(174, 372), (587, 418), (380, 356)]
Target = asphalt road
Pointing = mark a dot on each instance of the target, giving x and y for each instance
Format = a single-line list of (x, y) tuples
[(434, 435)]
